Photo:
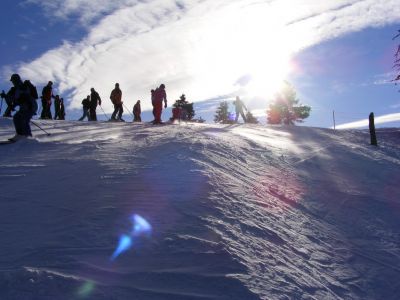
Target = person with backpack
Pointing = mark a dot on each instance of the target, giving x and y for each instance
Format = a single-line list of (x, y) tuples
[(85, 107), (159, 96), (34, 94), (21, 96), (94, 101), (239, 105), (47, 94), (116, 99), (137, 112)]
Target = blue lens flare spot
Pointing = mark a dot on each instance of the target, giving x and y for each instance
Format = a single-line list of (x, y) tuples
[(125, 243), (140, 226)]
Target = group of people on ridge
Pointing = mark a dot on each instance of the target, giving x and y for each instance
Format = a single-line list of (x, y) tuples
[(59, 109)]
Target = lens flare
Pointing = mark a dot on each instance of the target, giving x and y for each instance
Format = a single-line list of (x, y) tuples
[(140, 227), (125, 243), (86, 289)]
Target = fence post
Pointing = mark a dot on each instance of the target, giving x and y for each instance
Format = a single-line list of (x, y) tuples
[(334, 121), (372, 129)]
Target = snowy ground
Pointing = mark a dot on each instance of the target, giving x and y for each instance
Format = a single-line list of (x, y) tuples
[(238, 212)]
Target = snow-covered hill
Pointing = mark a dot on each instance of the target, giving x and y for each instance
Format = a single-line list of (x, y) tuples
[(237, 212)]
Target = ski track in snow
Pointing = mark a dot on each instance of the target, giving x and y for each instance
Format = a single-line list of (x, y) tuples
[(238, 212)]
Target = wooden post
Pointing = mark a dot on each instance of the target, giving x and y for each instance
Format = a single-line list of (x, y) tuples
[(334, 121), (372, 129)]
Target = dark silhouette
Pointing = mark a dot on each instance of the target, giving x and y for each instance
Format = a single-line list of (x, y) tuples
[(152, 103), (33, 92), (137, 112), (62, 110), (250, 118), (159, 96), (239, 105), (20, 95), (94, 101), (57, 102), (47, 94), (116, 99), (372, 132), (85, 107)]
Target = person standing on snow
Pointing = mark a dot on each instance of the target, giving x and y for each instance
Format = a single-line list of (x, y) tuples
[(239, 105), (116, 99), (47, 94), (21, 96), (159, 96), (137, 112), (85, 107), (94, 100), (62, 110), (57, 107)]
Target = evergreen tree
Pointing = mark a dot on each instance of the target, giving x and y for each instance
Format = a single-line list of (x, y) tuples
[(286, 108), (250, 118), (222, 113), (396, 65), (188, 107)]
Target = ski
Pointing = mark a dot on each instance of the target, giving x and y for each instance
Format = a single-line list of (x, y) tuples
[(5, 142)]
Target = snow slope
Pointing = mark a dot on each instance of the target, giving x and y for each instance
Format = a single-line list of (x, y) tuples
[(238, 212)]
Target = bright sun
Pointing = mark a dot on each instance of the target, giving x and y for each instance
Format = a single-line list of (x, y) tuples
[(243, 42)]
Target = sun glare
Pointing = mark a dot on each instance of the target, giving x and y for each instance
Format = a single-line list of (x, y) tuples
[(244, 42)]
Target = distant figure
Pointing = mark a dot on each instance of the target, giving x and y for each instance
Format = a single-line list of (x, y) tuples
[(152, 103), (57, 102), (116, 99), (159, 96), (239, 105), (94, 101), (21, 96), (47, 94), (137, 112), (62, 110), (85, 107)]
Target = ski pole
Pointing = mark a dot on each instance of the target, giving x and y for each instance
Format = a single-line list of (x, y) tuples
[(40, 127), (107, 118), (128, 110)]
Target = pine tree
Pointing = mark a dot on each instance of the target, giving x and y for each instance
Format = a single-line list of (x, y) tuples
[(185, 105), (286, 108), (396, 65), (250, 118), (222, 113)]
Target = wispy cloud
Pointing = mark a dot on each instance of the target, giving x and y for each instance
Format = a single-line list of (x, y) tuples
[(200, 48), (378, 120)]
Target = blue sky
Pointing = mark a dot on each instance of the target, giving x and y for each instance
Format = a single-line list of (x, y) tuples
[(338, 54)]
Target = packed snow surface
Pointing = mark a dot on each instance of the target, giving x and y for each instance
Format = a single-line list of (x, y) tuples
[(103, 210)]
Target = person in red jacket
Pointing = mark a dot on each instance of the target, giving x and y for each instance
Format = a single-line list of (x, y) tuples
[(136, 112), (116, 99), (159, 96), (47, 94)]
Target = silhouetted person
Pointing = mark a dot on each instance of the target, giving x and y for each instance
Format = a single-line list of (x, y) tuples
[(94, 101), (116, 99), (57, 102), (85, 107), (21, 96), (239, 105), (152, 103), (137, 112), (47, 94), (159, 96), (62, 110)]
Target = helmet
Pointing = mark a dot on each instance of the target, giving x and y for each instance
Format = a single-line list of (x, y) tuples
[(15, 77), (162, 86)]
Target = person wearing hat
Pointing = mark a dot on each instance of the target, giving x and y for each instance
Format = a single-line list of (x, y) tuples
[(21, 97), (47, 94), (159, 96), (116, 99)]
